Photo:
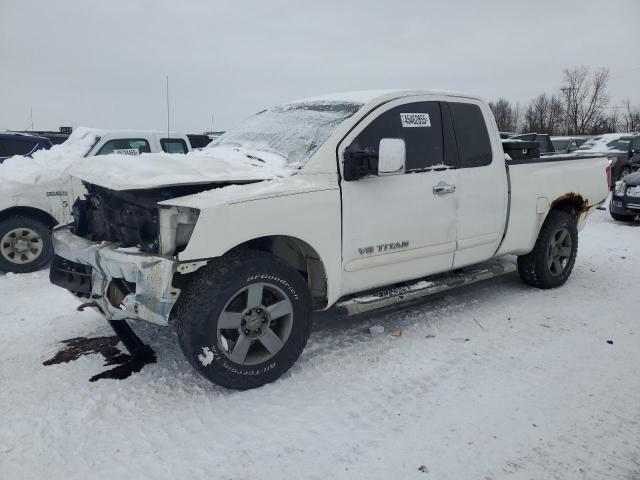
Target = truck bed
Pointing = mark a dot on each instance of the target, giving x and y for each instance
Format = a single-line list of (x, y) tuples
[(537, 184)]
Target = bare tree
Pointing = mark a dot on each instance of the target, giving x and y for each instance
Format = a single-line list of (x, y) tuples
[(605, 123), (544, 114), (507, 116), (585, 95), (630, 118)]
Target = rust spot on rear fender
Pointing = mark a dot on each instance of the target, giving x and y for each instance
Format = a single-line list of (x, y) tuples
[(579, 205), (575, 199)]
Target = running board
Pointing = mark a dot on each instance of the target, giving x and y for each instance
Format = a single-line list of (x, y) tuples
[(408, 291)]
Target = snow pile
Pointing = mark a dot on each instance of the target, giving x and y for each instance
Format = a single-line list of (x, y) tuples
[(47, 165), (212, 164)]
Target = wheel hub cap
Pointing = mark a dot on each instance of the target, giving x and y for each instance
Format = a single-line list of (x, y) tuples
[(21, 245), (255, 322)]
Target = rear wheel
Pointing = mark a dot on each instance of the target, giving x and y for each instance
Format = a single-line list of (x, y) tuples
[(25, 244), (551, 261), (244, 320)]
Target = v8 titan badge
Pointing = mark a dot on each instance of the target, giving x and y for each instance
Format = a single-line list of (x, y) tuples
[(415, 120)]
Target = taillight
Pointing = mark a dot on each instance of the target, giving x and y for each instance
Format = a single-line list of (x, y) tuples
[(609, 174)]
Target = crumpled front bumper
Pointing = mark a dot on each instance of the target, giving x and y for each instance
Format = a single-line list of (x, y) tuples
[(151, 276)]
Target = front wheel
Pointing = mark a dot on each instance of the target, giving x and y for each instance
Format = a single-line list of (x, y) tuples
[(25, 244), (550, 262), (244, 320)]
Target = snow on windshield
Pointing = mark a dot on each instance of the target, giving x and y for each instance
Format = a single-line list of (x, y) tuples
[(606, 143), (294, 131)]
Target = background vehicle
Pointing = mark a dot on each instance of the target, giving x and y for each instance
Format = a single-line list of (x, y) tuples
[(618, 146), (55, 137), (21, 144), (625, 199), (37, 193), (546, 146), (132, 142), (567, 144), (357, 201)]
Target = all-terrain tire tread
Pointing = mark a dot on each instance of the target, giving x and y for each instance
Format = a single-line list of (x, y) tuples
[(206, 290), (532, 267)]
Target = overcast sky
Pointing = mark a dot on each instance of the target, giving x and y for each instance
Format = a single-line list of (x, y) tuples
[(103, 63)]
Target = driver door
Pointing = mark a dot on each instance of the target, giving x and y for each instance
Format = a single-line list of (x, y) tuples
[(401, 226)]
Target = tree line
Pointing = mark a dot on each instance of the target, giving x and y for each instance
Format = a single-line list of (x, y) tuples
[(581, 106)]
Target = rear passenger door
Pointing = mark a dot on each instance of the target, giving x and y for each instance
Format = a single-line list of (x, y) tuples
[(482, 182), (401, 226)]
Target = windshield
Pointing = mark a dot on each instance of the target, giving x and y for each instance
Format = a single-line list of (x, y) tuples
[(560, 144), (294, 131), (619, 145)]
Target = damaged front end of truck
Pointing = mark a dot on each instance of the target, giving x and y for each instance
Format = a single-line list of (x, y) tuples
[(119, 255)]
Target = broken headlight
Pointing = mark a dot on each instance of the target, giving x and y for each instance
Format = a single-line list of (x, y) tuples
[(176, 227)]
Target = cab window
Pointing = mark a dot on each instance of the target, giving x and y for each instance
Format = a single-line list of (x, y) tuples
[(474, 146), (127, 146), (173, 145), (419, 124)]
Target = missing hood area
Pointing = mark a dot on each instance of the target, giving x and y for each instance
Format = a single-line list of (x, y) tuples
[(129, 217)]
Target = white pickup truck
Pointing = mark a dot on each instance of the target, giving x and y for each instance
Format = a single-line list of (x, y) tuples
[(37, 193), (354, 201)]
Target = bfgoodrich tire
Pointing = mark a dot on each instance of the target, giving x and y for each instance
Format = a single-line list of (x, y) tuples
[(551, 261), (244, 319), (25, 244)]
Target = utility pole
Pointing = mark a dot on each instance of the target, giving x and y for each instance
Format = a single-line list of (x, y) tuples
[(168, 130), (567, 92), (31, 117)]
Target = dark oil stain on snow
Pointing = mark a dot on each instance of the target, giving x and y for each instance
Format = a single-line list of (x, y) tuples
[(125, 364)]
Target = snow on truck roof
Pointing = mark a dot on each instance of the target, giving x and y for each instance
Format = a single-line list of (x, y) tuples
[(368, 96)]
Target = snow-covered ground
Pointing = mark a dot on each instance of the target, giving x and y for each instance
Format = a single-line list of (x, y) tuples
[(497, 380)]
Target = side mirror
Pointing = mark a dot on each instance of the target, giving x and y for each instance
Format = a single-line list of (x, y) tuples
[(359, 163), (392, 154)]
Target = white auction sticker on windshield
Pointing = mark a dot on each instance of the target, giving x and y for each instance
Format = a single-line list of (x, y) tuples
[(127, 151), (415, 120)]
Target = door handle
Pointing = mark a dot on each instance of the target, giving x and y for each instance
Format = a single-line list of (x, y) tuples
[(443, 189)]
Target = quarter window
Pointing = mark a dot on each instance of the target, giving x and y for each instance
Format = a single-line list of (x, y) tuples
[(173, 145), (474, 146), (419, 124), (128, 146)]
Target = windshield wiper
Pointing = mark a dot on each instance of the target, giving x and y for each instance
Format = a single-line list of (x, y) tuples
[(253, 157)]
